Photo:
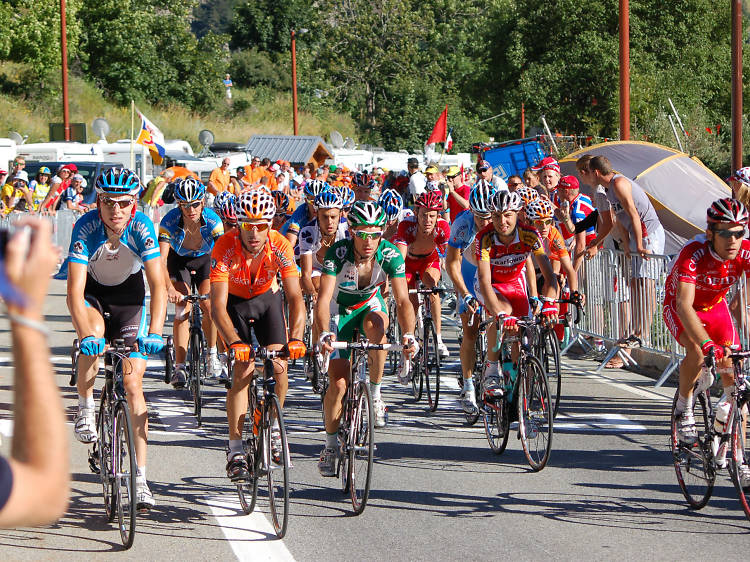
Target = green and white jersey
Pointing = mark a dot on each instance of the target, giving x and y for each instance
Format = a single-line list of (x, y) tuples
[(339, 262)]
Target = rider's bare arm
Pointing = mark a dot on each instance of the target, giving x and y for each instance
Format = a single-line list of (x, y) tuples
[(155, 280)]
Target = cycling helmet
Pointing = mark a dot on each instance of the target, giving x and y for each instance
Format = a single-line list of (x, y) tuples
[(314, 187), (329, 199), (479, 198), (366, 213), (118, 181), (359, 179), (281, 200), (392, 204), (189, 189), (430, 200), (539, 209), (348, 197), (527, 194), (502, 201), (433, 186), (224, 206), (727, 210), (255, 205)]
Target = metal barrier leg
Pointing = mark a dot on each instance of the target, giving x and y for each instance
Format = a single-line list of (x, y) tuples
[(674, 364), (627, 359)]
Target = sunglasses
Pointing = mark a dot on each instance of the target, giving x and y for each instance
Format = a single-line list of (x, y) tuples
[(368, 235), (122, 203), (191, 205), (257, 226), (515, 184), (544, 222), (735, 234)]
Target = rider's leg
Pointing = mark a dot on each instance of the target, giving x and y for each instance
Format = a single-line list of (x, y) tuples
[(209, 329), (468, 341), (133, 370), (88, 365), (237, 401), (431, 278), (180, 332), (338, 371)]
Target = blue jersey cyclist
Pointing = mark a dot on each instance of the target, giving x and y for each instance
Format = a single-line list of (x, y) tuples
[(186, 238), (109, 248), (303, 214), (461, 264)]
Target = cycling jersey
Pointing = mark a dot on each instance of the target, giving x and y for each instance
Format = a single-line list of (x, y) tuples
[(229, 265), (580, 208), (311, 240), (554, 245), (300, 218), (408, 230), (107, 265), (172, 230), (339, 262), (507, 262), (463, 233)]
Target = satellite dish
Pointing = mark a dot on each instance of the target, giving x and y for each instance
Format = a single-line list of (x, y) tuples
[(206, 137), (101, 128), (16, 137), (349, 144), (336, 139)]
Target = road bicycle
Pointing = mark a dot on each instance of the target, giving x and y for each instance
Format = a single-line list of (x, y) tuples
[(264, 414), (318, 378), (527, 390), (696, 464), (426, 372), (480, 352)]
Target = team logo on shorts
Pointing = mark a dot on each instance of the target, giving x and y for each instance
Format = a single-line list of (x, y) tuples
[(401, 268)]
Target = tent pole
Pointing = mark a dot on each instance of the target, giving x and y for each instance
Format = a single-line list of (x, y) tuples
[(676, 136)]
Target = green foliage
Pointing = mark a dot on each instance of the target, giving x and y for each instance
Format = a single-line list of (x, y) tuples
[(213, 16), (250, 68), (267, 24)]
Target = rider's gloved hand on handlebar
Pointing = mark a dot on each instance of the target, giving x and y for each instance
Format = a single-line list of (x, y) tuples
[(151, 344), (296, 348), (242, 351), (510, 323), (411, 347), (709, 345), (536, 305), (470, 303), (325, 340), (91, 345)]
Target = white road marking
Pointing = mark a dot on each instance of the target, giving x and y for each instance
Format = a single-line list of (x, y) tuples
[(622, 386), (604, 422), (251, 536)]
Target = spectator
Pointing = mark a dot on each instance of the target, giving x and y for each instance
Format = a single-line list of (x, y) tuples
[(40, 186), (740, 184), (485, 171), (575, 217), (19, 163), (549, 176), (219, 178), (240, 182), (72, 197), (228, 87), (531, 178), (417, 180), (457, 192), (152, 194), (65, 173), (643, 236), (35, 481), (16, 195), (250, 168)]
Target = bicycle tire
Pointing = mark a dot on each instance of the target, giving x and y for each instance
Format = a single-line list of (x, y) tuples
[(104, 450), (417, 378), (277, 474), (432, 368), (739, 455), (393, 335), (497, 426), (249, 488), (477, 375), (692, 463), (125, 470), (74, 353), (550, 358), (535, 422), (361, 449), (196, 373), (169, 360)]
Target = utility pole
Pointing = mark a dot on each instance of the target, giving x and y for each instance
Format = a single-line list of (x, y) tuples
[(64, 51), (625, 69), (736, 84), (294, 82)]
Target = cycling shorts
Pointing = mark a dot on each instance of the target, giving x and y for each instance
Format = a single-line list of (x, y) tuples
[(716, 320), (6, 481), (179, 268), (417, 266), (264, 314), (125, 305), (469, 274), (351, 319), (513, 291)]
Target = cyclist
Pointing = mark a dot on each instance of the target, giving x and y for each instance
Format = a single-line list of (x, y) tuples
[(354, 270), (186, 236), (245, 292), (461, 264), (505, 272), (224, 207), (315, 239), (281, 200), (695, 308), (420, 238), (303, 214), (393, 205), (109, 248)]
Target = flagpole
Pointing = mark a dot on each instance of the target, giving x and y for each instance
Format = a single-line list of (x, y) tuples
[(132, 133)]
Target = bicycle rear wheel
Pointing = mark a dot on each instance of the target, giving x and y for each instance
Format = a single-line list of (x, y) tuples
[(432, 367), (277, 474), (197, 371), (417, 377), (478, 374), (104, 451), (550, 358), (535, 414), (247, 490), (360, 449), (168, 359), (739, 458), (497, 426), (125, 474), (692, 463)]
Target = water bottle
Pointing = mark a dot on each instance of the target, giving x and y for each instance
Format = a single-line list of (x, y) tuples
[(256, 420), (721, 440)]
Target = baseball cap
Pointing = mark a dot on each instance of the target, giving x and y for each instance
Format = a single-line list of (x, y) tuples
[(547, 163), (78, 177), (71, 168), (483, 165), (44, 170), (453, 171), (569, 182), (3, 172), (412, 162), (431, 170), (22, 175)]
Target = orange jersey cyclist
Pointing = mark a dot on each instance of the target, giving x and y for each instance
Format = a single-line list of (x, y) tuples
[(245, 295)]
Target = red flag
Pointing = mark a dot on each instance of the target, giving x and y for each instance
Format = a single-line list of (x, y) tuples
[(440, 130), (463, 177)]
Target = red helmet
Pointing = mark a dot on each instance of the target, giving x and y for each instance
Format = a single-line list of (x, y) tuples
[(727, 210), (430, 200)]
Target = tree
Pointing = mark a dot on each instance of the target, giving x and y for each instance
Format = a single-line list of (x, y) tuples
[(266, 24)]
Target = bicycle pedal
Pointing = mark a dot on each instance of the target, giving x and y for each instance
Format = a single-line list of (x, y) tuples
[(94, 463)]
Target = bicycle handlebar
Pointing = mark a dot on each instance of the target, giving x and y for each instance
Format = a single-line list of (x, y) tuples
[(363, 345), (194, 298), (426, 291)]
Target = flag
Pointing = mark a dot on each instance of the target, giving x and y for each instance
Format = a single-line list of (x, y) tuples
[(449, 141), (463, 174), (152, 138), (440, 130)]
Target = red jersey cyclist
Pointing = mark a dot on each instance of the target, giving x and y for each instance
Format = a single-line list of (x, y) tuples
[(505, 273), (696, 311), (420, 238)]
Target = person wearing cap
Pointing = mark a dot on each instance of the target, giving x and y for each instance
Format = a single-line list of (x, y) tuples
[(19, 163), (72, 197), (457, 192), (219, 178), (739, 181), (486, 173), (417, 180), (65, 173), (40, 186), (240, 182), (549, 176), (575, 217), (16, 194)]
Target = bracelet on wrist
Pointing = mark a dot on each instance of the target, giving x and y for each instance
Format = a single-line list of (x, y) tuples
[(29, 323)]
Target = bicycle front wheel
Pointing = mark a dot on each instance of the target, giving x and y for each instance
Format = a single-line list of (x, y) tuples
[(432, 367), (738, 463), (550, 358), (693, 462), (497, 426), (168, 359), (361, 449), (197, 370), (535, 414), (278, 473), (417, 377), (123, 461)]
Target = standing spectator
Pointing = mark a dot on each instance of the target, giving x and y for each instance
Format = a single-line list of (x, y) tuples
[(64, 173), (645, 236), (486, 173), (549, 176), (40, 186), (228, 87), (457, 192), (575, 218), (219, 178), (16, 195), (250, 168), (35, 481), (417, 180), (72, 197), (152, 194), (514, 182), (531, 178), (740, 184)]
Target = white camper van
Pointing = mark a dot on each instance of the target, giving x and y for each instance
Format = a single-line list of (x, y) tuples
[(60, 152)]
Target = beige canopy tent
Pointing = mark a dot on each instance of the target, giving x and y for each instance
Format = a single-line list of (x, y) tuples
[(680, 188)]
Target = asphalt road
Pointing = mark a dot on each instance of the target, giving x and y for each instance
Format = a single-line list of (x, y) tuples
[(438, 492)]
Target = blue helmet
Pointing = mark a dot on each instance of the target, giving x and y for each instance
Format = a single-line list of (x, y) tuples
[(314, 187), (224, 206), (189, 189), (329, 199), (479, 198), (392, 203), (348, 197), (360, 179), (118, 181)]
